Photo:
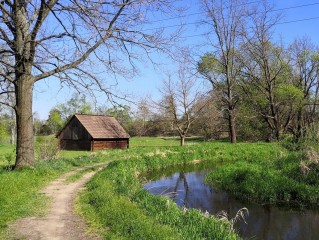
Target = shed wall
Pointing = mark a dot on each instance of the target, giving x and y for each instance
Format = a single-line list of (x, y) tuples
[(110, 143), (74, 131), (69, 144)]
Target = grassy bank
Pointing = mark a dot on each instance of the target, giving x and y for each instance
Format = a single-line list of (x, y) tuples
[(116, 203), (278, 181)]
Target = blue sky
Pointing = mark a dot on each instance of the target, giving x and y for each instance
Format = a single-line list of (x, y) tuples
[(48, 93)]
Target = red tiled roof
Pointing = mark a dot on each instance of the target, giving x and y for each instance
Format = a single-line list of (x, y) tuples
[(100, 126)]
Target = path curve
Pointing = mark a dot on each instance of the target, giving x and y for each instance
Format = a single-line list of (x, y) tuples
[(60, 222)]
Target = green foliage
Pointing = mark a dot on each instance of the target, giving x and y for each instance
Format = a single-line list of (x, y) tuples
[(251, 127), (4, 130), (289, 95), (55, 122), (209, 64), (124, 115), (76, 104)]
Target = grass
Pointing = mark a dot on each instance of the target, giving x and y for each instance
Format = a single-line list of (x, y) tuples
[(7, 153), (116, 204), (161, 141)]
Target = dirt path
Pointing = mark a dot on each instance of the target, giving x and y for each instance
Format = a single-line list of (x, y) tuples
[(61, 222)]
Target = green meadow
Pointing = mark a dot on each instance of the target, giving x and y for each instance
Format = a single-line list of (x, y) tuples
[(117, 207)]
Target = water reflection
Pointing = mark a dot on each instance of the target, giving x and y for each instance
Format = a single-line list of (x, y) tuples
[(189, 190)]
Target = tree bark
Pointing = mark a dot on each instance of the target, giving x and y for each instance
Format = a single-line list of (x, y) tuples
[(24, 120), (12, 136), (182, 140), (232, 127)]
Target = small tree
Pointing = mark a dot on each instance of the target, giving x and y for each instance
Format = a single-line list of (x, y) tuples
[(54, 121), (178, 102), (142, 117)]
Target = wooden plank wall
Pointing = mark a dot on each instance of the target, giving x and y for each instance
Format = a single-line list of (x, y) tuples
[(110, 144), (68, 144)]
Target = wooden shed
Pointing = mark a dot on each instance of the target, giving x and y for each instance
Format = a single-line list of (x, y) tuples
[(92, 132)]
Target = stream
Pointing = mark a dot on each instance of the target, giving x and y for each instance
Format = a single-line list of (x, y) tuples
[(264, 222)]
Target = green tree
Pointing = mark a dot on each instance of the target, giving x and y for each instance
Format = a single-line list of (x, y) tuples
[(3, 130), (77, 104), (267, 76), (54, 122), (226, 20), (123, 115), (305, 61)]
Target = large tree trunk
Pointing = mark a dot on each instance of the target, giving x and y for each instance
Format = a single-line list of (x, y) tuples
[(24, 121)]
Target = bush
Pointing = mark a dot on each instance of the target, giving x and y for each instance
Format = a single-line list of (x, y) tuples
[(47, 148)]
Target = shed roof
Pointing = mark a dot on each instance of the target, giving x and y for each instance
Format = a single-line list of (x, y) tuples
[(100, 126)]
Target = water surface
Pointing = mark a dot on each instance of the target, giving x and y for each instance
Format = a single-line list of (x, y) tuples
[(188, 189)]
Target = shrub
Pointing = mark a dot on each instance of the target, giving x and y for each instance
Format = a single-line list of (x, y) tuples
[(47, 148)]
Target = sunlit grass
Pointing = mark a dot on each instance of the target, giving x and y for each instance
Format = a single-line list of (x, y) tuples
[(160, 141)]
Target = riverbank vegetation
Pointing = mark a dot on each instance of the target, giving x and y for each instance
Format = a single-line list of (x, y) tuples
[(116, 203), (277, 181)]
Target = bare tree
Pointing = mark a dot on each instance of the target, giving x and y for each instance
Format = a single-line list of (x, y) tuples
[(70, 40), (226, 18), (179, 100), (142, 116)]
